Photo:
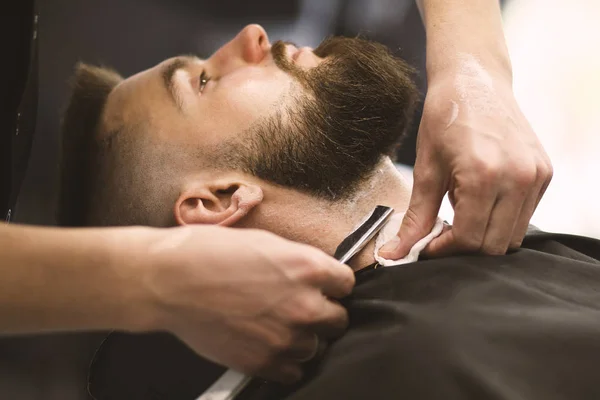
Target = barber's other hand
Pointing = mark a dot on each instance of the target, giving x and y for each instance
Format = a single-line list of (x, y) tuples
[(474, 143), (244, 298)]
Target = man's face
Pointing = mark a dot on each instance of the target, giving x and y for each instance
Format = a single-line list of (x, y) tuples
[(190, 101), (317, 121)]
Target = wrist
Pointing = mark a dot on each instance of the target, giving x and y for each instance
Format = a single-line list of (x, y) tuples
[(497, 67), (457, 29), (129, 262), (161, 272)]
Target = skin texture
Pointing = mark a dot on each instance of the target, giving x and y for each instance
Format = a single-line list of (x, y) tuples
[(474, 142)]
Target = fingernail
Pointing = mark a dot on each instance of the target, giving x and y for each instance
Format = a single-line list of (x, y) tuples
[(390, 246)]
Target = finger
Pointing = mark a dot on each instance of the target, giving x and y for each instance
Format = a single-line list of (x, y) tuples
[(528, 209), (546, 172), (286, 372), (428, 191), (331, 321), (334, 279), (502, 223), (437, 244), (473, 207), (304, 348), (442, 246), (322, 346), (543, 191), (522, 223)]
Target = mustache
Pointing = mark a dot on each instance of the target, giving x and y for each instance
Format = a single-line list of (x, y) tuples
[(344, 49), (279, 53), (331, 45)]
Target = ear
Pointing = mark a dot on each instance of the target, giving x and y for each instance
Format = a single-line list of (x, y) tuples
[(222, 203)]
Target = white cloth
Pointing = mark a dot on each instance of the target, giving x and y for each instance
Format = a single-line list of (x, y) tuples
[(390, 233)]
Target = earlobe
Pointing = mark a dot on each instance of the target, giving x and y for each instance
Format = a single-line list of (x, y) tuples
[(217, 204)]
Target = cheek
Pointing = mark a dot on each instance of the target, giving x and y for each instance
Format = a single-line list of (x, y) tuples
[(242, 98), (245, 96)]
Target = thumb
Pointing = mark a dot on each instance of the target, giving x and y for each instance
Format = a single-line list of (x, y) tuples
[(425, 201)]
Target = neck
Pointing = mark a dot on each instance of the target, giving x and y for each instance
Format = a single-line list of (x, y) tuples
[(324, 224)]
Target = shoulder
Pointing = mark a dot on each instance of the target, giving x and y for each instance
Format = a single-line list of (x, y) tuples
[(523, 325)]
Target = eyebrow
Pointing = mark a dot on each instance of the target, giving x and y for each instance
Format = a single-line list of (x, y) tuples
[(167, 74)]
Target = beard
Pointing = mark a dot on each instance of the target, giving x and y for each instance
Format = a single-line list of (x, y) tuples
[(354, 109)]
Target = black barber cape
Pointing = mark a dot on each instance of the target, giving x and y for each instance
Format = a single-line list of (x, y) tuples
[(521, 326)]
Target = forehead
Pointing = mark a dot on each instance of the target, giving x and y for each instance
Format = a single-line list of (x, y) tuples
[(139, 98)]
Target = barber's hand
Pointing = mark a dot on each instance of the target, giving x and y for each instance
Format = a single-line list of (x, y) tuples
[(474, 143), (247, 299)]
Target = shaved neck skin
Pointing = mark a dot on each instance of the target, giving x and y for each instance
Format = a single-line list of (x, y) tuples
[(324, 225)]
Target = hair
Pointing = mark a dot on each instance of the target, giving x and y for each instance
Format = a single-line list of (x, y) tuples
[(110, 178), (79, 161)]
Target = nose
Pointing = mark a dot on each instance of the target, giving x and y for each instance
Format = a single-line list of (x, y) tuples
[(250, 46), (254, 43)]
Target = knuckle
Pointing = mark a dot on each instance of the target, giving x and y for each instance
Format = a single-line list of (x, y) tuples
[(307, 311), (255, 362), (490, 173), (348, 282), (306, 263), (547, 172), (280, 344), (486, 170), (550, 168), (261, 362), (412, 221), (524, 175), (425, 176), (315, 268)]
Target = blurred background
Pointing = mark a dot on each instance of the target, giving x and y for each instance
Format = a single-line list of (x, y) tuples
[(554, 47), (553, 44)]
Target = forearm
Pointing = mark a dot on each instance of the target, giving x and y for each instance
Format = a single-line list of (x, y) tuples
[(66, 279), (464, 29)]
